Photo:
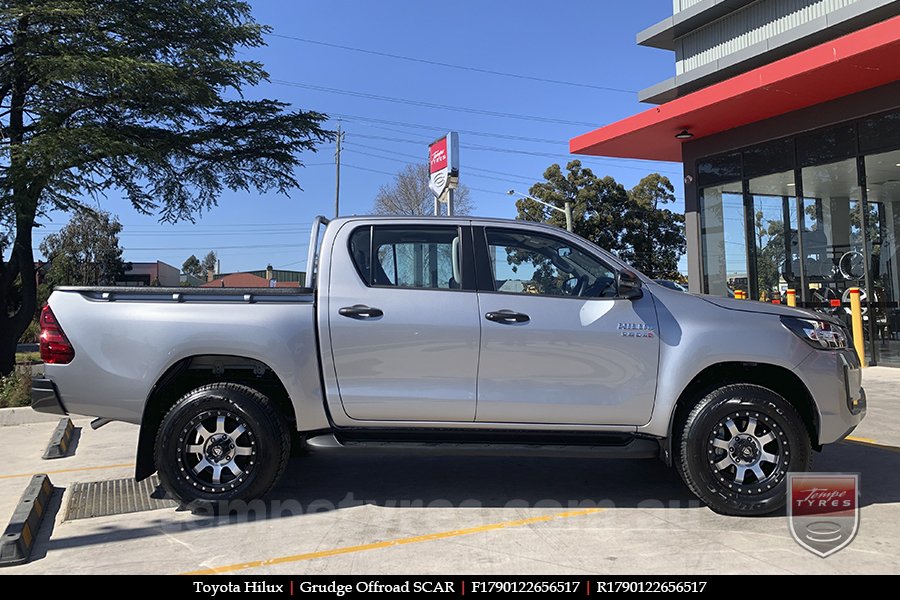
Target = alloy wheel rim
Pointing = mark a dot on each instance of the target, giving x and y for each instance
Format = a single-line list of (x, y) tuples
[(217, 451), (748, 452)]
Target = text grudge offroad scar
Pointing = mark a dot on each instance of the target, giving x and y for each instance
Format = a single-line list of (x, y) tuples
[(476, 334)]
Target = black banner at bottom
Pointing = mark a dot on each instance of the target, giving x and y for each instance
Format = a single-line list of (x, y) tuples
[(458, 586)]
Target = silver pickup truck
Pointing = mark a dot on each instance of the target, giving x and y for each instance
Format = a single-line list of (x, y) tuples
[(460, 334)]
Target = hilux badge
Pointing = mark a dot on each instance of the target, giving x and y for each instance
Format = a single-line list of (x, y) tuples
[(637, 330)]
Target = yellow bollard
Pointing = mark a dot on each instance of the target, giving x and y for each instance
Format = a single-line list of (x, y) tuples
[(791, 297), (857, 322)]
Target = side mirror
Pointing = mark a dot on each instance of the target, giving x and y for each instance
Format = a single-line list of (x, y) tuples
[(629, 285)]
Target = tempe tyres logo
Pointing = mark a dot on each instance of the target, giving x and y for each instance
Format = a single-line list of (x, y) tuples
[(823, 510)]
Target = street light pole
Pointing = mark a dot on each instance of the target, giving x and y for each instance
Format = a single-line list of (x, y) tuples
[(337, 172), (566, 211)]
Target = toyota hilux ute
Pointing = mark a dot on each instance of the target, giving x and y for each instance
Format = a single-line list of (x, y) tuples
[(456, 334)]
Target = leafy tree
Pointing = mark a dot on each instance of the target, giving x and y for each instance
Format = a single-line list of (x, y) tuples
[(632, 223), (143, 98), (408, 194), (653, 237), (769, 253), (85, 252), (209, 262), (192, 266), (596, 203)]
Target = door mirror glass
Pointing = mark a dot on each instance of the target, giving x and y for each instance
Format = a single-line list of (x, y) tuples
[(629, 285)]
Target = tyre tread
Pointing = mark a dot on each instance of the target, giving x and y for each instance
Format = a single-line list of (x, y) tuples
[(269, 409), (684, 447)]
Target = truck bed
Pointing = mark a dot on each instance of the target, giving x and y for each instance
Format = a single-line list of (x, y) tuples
[(186, 294), (127, 338)]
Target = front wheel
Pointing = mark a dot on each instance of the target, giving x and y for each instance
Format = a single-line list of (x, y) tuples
[(220, 443), (738, 445)]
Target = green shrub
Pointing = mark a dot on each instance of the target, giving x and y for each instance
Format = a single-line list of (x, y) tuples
[(28, 358), (15, 388), (31, 334)]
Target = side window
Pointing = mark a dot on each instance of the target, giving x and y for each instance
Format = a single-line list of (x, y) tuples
[(525, 263), (409, 257)]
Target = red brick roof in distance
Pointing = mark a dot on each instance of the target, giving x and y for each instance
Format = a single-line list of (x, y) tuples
[(246, 280)]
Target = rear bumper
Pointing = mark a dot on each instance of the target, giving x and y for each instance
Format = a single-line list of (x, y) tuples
[(45, 397)]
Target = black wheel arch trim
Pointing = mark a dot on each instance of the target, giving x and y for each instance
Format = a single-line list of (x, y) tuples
[(151, 418), (700, 385)]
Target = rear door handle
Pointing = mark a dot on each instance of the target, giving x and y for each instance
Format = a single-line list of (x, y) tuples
[(507, 316), (360, 311)]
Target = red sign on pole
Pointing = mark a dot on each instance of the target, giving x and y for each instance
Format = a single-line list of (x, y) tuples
[(437, 154), (443, 163)]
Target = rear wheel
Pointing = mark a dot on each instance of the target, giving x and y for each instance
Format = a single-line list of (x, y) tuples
[(220, 443), (737, 446)]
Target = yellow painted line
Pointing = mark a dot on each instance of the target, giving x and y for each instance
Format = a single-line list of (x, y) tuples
[(853, 438), (430, 537), (73, 470), (871, 443)]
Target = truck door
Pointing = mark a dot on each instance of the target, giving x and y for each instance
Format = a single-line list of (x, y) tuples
[(558, 345), (404, 322)]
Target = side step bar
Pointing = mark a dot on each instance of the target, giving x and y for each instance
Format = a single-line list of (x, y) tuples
[(634, 447)]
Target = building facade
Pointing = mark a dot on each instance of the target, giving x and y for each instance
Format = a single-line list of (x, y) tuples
[(785, 115), (155, 273), (281, 277)]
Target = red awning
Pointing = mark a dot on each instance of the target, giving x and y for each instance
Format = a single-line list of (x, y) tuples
[(858, 61)]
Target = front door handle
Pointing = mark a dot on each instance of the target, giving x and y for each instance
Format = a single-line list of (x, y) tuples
[(507, 316), (360, 311)]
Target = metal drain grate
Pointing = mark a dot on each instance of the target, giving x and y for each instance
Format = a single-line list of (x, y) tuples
[(116, 497)]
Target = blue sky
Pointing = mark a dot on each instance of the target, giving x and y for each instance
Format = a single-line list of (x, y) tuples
[(582, 41)]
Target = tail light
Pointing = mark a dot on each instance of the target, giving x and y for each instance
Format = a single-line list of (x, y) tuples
[(55, 346)]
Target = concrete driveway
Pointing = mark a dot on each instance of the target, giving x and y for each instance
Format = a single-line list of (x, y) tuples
[(353, 512)]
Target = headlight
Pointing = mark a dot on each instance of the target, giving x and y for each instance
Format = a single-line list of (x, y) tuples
[(818, 334)]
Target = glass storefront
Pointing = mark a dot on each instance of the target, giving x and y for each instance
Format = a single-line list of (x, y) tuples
[(774, 256), (818, 213), (883, 191), (724, 242)]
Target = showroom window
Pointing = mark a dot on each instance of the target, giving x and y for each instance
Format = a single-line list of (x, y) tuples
[(814, 213), (774, 251), (724, 242)]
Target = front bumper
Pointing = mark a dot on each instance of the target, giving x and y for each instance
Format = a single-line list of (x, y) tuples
[(834, 379), (45, 397)]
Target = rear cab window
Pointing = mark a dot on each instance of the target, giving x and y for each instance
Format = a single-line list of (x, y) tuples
[(418, 257)]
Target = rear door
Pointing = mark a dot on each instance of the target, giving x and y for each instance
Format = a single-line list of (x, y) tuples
[(404, 322), (558, 345)]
